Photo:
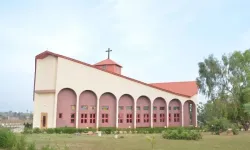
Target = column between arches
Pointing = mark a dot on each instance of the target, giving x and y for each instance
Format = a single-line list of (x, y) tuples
[(116, 113), (167, 113), (151, 113), (135, 112), (182, 114), (77, 109), (97, 112)]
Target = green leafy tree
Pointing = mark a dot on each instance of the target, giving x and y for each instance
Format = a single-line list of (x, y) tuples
[(226, 83), (211, 110), (247, 108)]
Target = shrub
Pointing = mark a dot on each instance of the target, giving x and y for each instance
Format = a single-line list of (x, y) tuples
[(7, 138), (85, 130), (50, 130), (217, 126), (28, 125), (143, 130), (20, 143), (107, 130), (37, 130), (235, 130), (27, 131), (182, 134)]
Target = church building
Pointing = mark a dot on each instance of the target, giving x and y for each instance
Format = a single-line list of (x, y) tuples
[(72, 93)]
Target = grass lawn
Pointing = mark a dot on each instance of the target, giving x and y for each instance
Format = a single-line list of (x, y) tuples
[(139, 142)]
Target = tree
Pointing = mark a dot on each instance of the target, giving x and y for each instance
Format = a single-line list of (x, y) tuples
[(247, 108), (227, 82), (211, 110)]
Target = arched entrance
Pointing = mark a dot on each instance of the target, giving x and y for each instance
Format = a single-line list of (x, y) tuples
[(107, 110), (189, 113), (126, 109), (66, 108), (87, 109), (174, 116), (159, 112), (143, 109)]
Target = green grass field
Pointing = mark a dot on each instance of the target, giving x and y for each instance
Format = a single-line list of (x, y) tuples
[(139, 142)]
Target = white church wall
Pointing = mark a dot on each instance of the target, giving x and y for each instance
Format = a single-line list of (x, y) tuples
[(80, 77), (46, 73), (44, 103)]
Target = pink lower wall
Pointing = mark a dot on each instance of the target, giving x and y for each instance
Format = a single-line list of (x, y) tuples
[(87, 109), (159, 115), (126, 116), (175, 121), (188, 121), (65, 99), (109, 100), (142, 102)]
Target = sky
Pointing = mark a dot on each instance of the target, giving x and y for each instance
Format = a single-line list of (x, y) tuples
[(154, 40)]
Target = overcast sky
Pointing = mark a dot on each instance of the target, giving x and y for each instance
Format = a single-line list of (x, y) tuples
[(154, 40)]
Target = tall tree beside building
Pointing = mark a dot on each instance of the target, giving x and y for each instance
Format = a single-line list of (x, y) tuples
[(226, 82)]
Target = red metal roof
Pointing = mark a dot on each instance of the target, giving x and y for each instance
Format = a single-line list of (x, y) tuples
[(185, 89), (189, 88), (107, 62)]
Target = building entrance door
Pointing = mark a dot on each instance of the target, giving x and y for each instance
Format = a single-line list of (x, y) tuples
[(44, 120)]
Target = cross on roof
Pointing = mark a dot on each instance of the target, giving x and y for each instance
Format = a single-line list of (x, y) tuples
[(109, 50)]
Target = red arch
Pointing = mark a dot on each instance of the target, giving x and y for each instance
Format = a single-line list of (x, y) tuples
[(189, 116), (107, 118), (143, 110), (175, 115), (87, 109), (66, 108), (159, 112), (126, 111)]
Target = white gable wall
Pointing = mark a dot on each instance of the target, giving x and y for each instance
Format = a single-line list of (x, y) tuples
[(46, 73), (80, 77)]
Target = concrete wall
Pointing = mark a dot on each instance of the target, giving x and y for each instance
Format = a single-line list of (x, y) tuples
[(80, 78), (46, 72), (44, 103)]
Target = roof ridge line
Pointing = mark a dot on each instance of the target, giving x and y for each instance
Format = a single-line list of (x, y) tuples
[(172, 82)]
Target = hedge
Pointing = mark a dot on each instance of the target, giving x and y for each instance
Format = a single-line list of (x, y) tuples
[(182, 134), (105, 130)]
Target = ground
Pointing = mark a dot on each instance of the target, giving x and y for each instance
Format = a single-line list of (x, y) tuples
[(139, 142)]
